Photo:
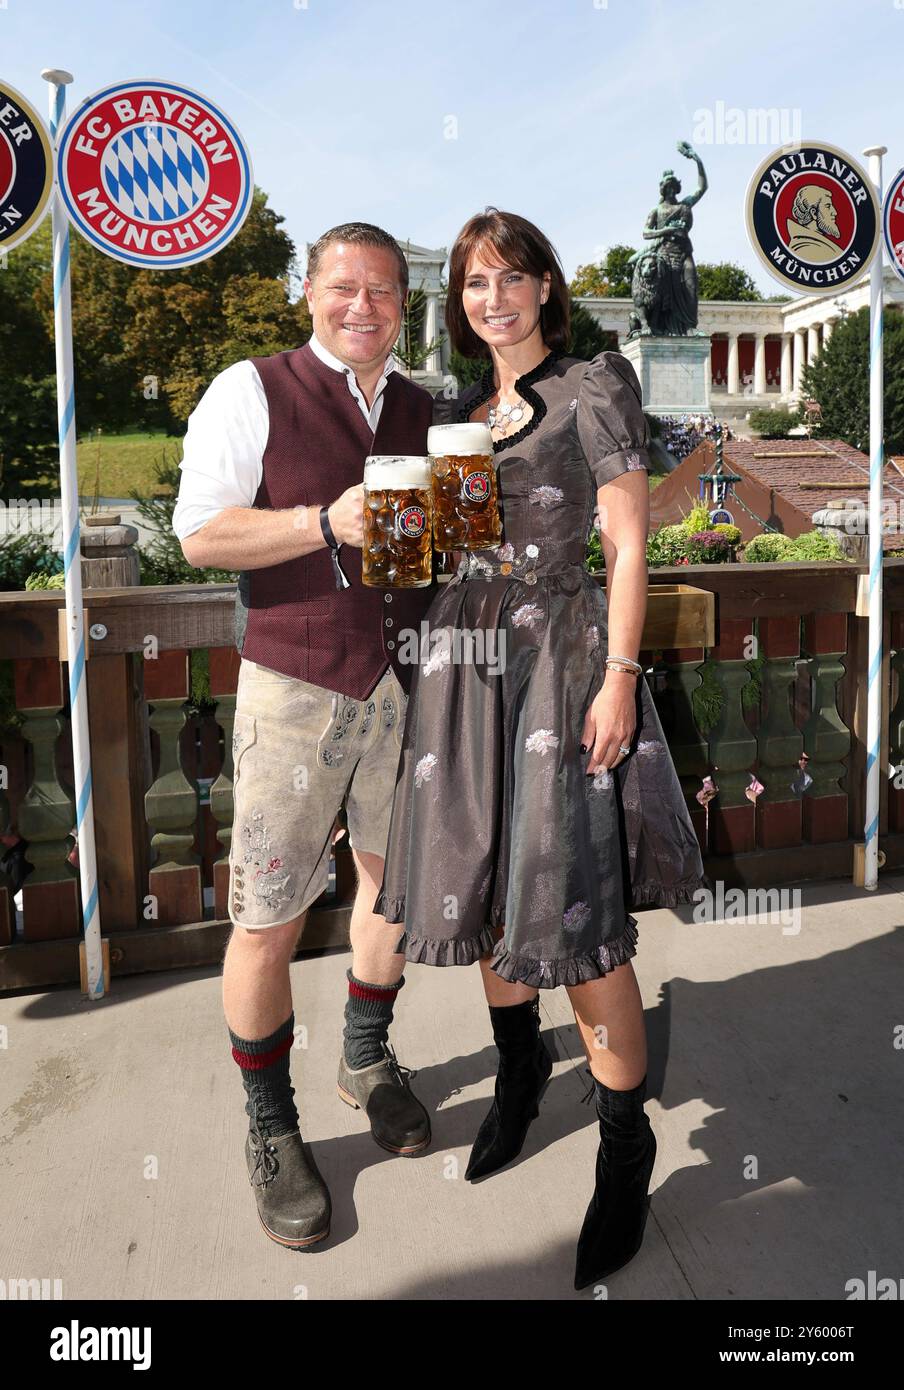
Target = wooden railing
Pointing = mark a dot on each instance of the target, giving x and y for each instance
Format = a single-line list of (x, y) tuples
[(162, 845)]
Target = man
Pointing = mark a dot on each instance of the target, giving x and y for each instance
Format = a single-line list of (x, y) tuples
[(271, 486)]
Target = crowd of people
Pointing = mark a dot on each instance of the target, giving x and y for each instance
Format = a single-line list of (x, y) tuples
[(681, 434)]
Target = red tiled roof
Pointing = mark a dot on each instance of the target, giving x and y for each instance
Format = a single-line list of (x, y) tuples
[(784, 465)]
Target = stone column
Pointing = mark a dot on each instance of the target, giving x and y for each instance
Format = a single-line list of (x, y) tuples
[(798, 359), (759, 365), (430, 331), (734, 386), (812, 343), (786, 382), (827, 330)]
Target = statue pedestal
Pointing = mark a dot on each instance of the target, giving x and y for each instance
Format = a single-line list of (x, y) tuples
[(672, 373)]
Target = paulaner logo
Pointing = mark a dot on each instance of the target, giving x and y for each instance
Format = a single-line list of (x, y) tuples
[(77, 1343), (813, 217)]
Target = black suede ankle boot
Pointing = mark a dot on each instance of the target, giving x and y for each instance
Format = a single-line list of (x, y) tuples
[(524, 1068), (614, 1224)]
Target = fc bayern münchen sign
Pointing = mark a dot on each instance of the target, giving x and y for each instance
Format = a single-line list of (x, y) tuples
[(26, 168), (893, 222), (813, 217), (154, 174)]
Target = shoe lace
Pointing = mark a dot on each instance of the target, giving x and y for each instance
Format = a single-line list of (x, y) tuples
[(398, 1072), (266, 1161)]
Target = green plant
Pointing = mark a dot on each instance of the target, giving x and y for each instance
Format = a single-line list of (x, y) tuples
[(25, 555), (37, 580), (815, 545), (697, 519), (773, 424), (731, 533), (667, 545), (768, 548), (162, 560)]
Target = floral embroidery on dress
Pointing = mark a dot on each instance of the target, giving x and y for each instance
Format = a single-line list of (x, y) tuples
[(442, 652), (576, 917), (546, 495), (527, 613), (506, 551), (573, 405), (540, 741), (424, 769), (651, 745), (602, 779), (633, 461), (593, 636), (270, 886)]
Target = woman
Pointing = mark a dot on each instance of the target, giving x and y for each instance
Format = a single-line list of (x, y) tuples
[(510, 843)]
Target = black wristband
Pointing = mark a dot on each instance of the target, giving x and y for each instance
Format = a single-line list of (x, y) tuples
[(341, 581)]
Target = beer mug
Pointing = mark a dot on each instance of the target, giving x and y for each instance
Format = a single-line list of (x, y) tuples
[(465, 504), (398, 507)]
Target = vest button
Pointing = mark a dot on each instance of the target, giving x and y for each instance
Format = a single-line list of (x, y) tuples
[(387, 598), (388, 622), (390, 646)]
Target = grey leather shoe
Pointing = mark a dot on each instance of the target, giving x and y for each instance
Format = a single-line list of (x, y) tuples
[(398, 1121), (293, 1201)]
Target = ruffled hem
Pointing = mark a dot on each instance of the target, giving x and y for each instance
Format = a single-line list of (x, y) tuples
[(659, 895), (549, 974), (421, 950)]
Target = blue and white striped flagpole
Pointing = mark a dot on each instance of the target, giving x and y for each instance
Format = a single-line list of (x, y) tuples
[(75, 628), (874, 687)]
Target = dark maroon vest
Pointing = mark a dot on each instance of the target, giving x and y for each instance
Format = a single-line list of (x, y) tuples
[(291, 617)]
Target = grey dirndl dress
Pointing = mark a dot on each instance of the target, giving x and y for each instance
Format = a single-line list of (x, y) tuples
[(495, 821)]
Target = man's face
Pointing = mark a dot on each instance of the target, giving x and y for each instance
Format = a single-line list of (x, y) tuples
[(356, 302)]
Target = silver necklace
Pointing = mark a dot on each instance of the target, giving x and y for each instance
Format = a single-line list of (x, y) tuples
[(506, 414)]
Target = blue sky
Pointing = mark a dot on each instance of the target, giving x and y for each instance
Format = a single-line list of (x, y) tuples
[(567, 111)]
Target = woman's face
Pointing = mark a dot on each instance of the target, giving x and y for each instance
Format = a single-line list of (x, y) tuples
[(502, 304)]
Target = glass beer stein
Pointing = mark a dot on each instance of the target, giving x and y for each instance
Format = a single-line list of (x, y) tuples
[(398, 507), (465, 504)]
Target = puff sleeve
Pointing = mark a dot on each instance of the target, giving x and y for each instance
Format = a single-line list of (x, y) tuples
[(612, 429)]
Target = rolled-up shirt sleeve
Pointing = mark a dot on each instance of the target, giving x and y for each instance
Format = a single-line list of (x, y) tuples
[(611, 426), (223, 450)]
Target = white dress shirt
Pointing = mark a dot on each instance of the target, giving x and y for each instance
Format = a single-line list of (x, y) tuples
[(223, 451)]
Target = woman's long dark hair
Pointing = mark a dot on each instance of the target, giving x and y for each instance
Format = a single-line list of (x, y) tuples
[(521, 246)]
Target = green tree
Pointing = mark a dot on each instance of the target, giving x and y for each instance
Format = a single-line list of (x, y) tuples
[(27, 380), (609, 278), (839, 380), (587, 338), (147, 342), (724, 280)]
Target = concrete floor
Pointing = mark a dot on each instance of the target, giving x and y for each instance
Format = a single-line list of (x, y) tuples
[(774, 1090)]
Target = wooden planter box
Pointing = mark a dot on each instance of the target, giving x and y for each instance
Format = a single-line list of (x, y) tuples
[(679, 615)]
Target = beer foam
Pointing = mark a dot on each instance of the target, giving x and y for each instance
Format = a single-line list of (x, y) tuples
[(383, 472), (470, 437)]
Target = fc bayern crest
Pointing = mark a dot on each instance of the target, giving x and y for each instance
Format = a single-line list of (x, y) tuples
[(26, 168), (813, 217), (154, 174), (893, 222)]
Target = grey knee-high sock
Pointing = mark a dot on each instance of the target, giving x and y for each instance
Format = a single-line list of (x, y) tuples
[(368, 1015), (265, 1074)]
